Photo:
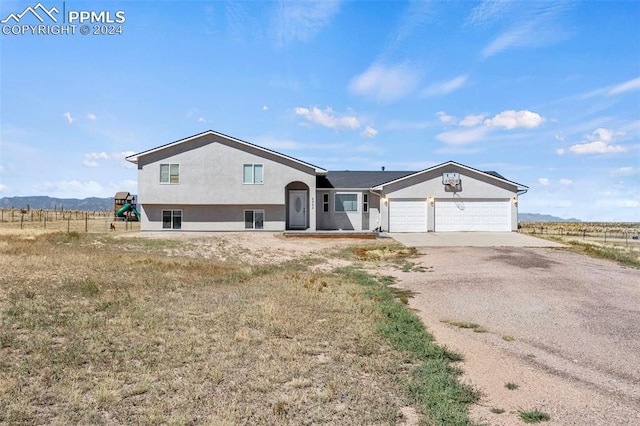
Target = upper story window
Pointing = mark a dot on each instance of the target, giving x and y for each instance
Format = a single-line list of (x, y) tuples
[(345, 202), (325, 202), (169, 173), (252, 174)]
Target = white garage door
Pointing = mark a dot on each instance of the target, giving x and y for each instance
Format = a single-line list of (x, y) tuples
[(472, 215), (407, 215)]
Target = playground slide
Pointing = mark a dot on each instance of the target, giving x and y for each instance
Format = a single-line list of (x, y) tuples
[(126, 208)]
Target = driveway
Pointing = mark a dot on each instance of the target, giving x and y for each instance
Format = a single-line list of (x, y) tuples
[(562, 326), (470, 239)]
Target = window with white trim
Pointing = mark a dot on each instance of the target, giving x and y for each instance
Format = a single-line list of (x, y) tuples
[(170, 173), (346, 202), (254, 219), (325, 202), (365, 203), (252, 174), (171, 219)]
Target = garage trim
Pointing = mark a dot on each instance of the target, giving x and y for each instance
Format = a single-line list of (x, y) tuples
[(408, 215), (464, 214)]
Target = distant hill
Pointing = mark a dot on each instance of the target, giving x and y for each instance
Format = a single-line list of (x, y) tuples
[(48, 203), (537, 217)]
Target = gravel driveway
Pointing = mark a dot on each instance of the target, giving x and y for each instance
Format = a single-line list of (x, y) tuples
[(575, 322)]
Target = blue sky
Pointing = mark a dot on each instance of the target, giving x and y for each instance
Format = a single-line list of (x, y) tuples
[(545, 93)]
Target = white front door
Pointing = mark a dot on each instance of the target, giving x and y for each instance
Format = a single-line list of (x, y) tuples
[(298, 209)]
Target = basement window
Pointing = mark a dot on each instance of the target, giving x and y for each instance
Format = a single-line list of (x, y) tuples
[(254, 219), (171, 219)]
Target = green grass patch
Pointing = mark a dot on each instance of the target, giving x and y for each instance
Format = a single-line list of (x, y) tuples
[(477, 328), (533, 416), (508, 338), (511, 386), (497, 410), (434, 381)]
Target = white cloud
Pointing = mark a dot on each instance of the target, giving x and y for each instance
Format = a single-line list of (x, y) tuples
[(3, 188), (463, 136), (560, 151), (472, 120), (565, 182), (619, 203), (91, 157), (626, 171), (68, 116), (369, 132), (487, 11), (445, 87), (599, 142), (301, 21), (201, 120), (544, 181), (97, 155), (385, 83), (537, 25), (91, 116), (327, 118), (514, 119), (265, 108), (445, 118), (620, 88), (627, 86)]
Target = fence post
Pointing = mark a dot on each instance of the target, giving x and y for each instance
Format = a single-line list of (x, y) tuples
[(86, 222), (68, 223), (605, 236), (45, 220), (21, 220)]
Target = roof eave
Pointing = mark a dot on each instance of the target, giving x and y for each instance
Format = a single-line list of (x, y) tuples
[(518, 186), (135, 157)]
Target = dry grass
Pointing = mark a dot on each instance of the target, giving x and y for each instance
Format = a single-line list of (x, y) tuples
[(96, 329), (37, 222)]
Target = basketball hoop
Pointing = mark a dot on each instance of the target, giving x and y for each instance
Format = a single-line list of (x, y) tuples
[(452, 182)]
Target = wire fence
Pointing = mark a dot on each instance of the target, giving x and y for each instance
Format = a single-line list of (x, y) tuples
[(64, 220), (627, 234)]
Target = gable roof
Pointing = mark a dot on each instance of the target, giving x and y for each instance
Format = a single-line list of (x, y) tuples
[(134, 158), (491, 174), (358, 179)]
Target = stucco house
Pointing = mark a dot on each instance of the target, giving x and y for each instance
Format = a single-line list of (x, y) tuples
[(214, 182)]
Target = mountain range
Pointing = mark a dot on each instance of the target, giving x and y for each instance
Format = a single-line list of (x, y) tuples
[(106, 204), (49, 203)]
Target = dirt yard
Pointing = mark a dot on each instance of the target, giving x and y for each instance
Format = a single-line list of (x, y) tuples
[(562, 327)]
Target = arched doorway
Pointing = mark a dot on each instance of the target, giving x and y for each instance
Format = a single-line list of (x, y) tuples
[(297, 205)]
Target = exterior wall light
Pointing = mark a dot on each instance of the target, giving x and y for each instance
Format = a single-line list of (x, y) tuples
[(431, 201), (515, 201)]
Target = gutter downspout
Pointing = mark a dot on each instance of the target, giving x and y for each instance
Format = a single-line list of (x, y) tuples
[(372, 191)]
